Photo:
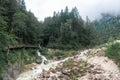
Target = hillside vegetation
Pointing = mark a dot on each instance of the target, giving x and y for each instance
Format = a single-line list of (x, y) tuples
[(113, 52)]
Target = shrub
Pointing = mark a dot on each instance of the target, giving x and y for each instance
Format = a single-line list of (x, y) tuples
[(55, 53), (63, 46), (113, 52), (1, 78), (43, 51), (59, 53)]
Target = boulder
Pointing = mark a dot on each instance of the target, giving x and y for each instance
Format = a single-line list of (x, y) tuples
[(46, 75), (61, 76), (45, 62), (65, 72), (38, 61)]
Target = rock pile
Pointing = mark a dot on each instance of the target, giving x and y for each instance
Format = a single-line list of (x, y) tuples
[(68, 70), (88, 68), (86, 65)]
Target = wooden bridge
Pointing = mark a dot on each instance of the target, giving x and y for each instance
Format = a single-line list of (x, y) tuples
[(16, 47)]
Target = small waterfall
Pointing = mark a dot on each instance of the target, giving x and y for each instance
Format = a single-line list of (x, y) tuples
[(38, 53), (43, 57)]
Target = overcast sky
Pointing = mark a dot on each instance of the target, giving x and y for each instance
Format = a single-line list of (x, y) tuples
[(90, 8)]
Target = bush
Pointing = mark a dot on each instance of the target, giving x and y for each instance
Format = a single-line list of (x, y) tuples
[(55, 53), (63, 46), (43, 51), (113, 52), (59, 53), (1, 78)]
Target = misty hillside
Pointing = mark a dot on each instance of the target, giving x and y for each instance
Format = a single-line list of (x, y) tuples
[(58, 37), (108, 26)]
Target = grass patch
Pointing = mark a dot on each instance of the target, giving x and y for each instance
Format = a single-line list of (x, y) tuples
[(51, 53), (113, 52)]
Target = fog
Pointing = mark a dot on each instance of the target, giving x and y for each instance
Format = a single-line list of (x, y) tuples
[(90, 8)]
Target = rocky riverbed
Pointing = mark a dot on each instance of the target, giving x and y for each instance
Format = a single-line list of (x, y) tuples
[(89, 64)]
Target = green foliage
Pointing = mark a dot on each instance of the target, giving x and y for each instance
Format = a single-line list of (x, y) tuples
[(59, 53), (12, 57), (56, 54), (66, 30), (32, 29), (18, 23), (63, 46), (24, 56), (3, 62), (15, 20), (3, 24), (28, 56), (1, 78), (43, 51), (6, 39), (113, 52)]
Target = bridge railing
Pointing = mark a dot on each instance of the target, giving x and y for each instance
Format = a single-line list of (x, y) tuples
[(13, 47)]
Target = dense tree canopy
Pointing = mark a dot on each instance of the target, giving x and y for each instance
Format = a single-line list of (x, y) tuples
[(67, 28)]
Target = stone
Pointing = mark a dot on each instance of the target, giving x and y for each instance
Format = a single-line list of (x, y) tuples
[(76, 60), (59, 57), (101, 77), (53, 70), (75, 56), (53, 78), (60, 76), (65, 72), (75, 68), (58, 68), (75, 64), (38, 61), (46, 75), (45, 62)]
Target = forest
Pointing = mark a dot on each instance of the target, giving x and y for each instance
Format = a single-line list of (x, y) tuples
[(64, 30)]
